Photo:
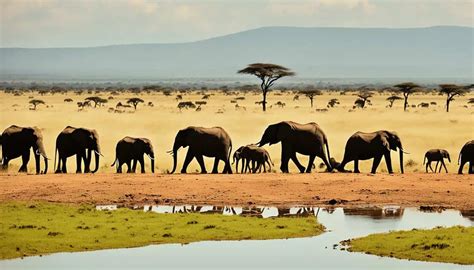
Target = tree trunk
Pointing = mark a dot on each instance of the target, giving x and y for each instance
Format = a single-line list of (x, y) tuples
[(264, 102), (311, 102), (405, 105), (447, 105)]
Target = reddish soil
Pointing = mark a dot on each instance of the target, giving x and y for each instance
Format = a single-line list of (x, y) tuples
[(411, 189)]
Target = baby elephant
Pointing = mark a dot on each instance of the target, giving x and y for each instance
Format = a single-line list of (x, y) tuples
[(258, 156), (130, 150), (437, 155)]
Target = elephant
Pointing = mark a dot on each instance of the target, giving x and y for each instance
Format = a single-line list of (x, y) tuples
[(252, 153), (80, 142), (16, 141), (131, 150), (258, 156), (209, 142), (467, 155), (363, 146), (437, 155), (307, 139)]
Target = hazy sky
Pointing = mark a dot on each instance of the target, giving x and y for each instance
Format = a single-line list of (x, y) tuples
[(79, 23)]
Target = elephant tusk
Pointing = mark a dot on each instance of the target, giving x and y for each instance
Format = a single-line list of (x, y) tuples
[(150, 157), (401, 149), (98, 153), (37, 152)]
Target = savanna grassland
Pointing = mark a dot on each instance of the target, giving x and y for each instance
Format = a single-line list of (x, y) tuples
[(419, 128)]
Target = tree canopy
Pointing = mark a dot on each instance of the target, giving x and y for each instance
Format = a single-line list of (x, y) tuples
[(268, 74), (451, 90), (407, 88), (135, 101), (36, 102), (392, 99)]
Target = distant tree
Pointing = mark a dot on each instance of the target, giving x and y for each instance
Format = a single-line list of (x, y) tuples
[(280, 104), (134, 102), (451, 90), (36, 102), (268, 74), (97, 100), (407, 89), (205, 96), (363, 98), (332, 103), (311, 93), (392, 99), (296, 97), (179, 97), (186, 105)]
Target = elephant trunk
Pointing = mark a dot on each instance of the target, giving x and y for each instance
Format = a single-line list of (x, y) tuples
[(152, 161), (175, 159), (42, 152), (401, 160), (449, 158), (97, 158)]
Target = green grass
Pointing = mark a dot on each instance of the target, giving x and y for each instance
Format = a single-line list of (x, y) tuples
[(28, 229), (449, 245)]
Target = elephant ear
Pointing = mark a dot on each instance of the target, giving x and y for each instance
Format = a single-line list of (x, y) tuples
[(385, 142), (283, 131)]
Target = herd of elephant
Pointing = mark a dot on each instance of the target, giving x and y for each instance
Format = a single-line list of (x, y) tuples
[(306, 139)]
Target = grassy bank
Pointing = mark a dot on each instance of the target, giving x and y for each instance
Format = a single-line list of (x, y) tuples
[(28, 229), (449, 245)]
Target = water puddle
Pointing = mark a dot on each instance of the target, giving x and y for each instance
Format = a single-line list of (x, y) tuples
[(302, 253)]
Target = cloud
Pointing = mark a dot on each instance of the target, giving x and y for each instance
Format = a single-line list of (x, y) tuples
[(53, 23)]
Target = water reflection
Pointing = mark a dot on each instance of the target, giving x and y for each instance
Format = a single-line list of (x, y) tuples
[(300, 253)]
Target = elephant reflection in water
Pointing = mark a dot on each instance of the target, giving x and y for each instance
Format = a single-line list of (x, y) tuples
[(300, 212)]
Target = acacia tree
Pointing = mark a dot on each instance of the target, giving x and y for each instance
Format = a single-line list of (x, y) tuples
[(36, 102), (451, 90), (97, 100), (268, 74), (135, 101), (392, 99), (363, 99), (407, 89), (311, 94)]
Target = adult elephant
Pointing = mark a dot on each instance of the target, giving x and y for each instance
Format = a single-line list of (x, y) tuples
[(80, 142), (17, 141), (203, 142), (307, 139), (437, 155), (132, 150), (467, 156), (363, 146)]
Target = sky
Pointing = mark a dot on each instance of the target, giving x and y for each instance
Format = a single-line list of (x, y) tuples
[(85, 23)]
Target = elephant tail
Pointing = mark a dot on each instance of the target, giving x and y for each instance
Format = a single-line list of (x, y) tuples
[(113, 164), (459, 157), (55, 154), (327, 150), (424, 159), (230, 152)]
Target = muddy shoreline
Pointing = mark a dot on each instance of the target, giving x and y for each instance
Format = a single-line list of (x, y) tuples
[(317, 189)]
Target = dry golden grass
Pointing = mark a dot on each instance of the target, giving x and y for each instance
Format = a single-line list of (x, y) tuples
[(420, 128)]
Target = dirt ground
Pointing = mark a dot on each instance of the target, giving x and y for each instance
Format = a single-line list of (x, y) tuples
[(411, 189)]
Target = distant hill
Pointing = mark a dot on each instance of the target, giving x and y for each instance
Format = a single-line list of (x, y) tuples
[(442, 51)]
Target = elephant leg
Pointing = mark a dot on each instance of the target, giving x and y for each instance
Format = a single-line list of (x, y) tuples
[(356, 166), (227, 166), (341, 166), (436, 167), (388, 162), (58, 168), (310, 163), (79, 158), (461, 166), (254, 167), (5, 164), (285, 158), (142, 164), (376, 163), (444, 165), (216, 165), (187, 160), (129, 166), (64, 165), (471, 167), (25, 158), (431, 168), (297, 162), (200, 160), (322, 155), (134, 165), (119, 167), (264, 167)]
